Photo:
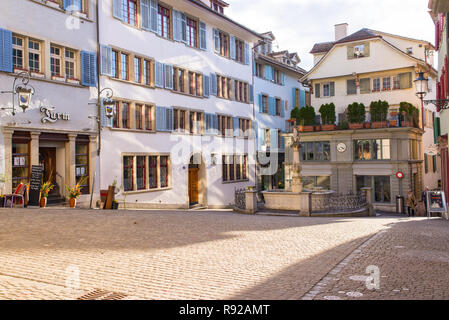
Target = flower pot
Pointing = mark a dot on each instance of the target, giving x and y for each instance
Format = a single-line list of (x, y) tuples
[(378, 124), (43, 202), (355, 126), (393, 123), (306, 128), (328, 127), (72, 202), (114, 205), (367, 125), (318, 128)]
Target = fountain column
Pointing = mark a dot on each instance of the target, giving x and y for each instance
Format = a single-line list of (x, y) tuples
[(296, 174)]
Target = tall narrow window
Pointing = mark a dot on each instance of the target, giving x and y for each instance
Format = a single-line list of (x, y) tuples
[(376, 84), (147, 72), (152, 161), (82, 165), (69, 64), (191, 32), (191, 83), (115, 119), (148, 118), (34, 55), (20, 163), (141, 173), (386, 83), (124, 66), (138, 111), (115, 61), (129, 9), (17, 52), (128, 173), (125, 115), (224, 166), (163, 22), (137, 67), (164, 171), (55, 61)]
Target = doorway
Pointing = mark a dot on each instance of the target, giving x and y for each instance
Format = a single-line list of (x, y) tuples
[(197, 181), (193, 185), (47, 159)]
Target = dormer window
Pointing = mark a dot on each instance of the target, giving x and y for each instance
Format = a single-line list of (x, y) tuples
[(217, 6), (409, 50), (359, 51)]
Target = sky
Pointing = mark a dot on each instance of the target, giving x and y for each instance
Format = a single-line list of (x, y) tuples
[(299, 24)]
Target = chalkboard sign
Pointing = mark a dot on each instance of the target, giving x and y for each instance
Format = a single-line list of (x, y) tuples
[(436, 202), (35, 185)]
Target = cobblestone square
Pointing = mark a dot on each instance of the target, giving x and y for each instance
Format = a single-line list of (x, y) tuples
[(81, 254)]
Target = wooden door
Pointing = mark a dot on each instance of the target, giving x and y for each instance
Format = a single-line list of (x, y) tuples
[(193, 185), (48, 160)]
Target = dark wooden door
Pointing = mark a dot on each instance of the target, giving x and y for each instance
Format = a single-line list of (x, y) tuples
[(47, 158), (193, 185)]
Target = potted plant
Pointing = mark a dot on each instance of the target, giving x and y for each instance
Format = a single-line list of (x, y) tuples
[(45, 190), (410, 115), (306, 117), (75, 192), (328, 116), (379, 111), (294, 115), (114, 205), (356, 114)]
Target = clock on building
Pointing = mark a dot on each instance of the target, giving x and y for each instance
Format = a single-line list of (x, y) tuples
[(341, 147)]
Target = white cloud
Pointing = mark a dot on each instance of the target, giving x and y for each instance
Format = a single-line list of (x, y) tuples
[(298, 24)]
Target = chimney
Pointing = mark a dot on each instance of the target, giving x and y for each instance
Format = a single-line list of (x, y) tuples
[(341, 31)]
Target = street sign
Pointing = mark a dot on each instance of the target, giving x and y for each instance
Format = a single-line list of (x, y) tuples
[(400, 175), (436, 202)]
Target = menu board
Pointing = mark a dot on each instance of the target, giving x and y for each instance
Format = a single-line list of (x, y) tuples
[(35, 185), (436, 201)]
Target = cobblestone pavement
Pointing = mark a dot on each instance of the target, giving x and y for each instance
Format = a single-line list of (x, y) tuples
[(70, 254)]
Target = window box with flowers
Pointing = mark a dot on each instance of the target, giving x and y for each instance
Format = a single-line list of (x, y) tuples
[(39, 75), (73, 81), (58, 78), (19, 70)]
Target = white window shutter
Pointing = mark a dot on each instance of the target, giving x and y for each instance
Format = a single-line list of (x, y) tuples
[(232, 47), (183, 28), (117, 9), (217, 40), (203, 36), (176, 25), (168, 76), (247, 54), (145, 14), (153, 15), (106, 60), (213, 84)]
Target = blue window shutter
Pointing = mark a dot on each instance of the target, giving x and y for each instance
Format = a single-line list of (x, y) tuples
[(302, 98), (267, 72), (207, 123), (236, 126), (247, 54), (272, 106), (159, 74), (283, 108), (153, 15), (168, 76), (273, 139), (251, 93), (160, 118), (216, 41), (254, 68), (203, 36), (106, 60), (117, 9), (294, 98), (232, 47), (272, 73), (260, 103), (206, 86), (6, 63), (283, 78), (213, 84), (260, 138), (215, 120), (88, 69), (169, 119), (145, 14)]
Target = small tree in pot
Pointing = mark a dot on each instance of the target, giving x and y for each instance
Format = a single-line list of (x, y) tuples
[(328, 117), (379, 111), (294, 115), (356, 113), (410, 115), (306, 118)]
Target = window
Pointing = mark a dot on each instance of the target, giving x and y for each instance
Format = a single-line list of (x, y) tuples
[(34, 55), (151, 172), (244, 126), (216, 7), (198, 85), (409, 50), (359, 51), (264, 104), (376, 84), (241, 91), (179, 120), (70, 64), (372, 149), (315, 151), (234, 168), (128, 162), (147, 72), (115, 64), (82, 165), (163, 22), (365, 85), (396, 82), (124, 66), (351, 87), (192, 32), (224, 87), (125, 115), (141, 172), (149, 117), (195, 122), (20, 163), (225, 125), (137, 68), (326, 90), (278, 107), (310, 183), (55, 60), (129, 8), (115, 119), (239, 51), (260, 70), (386, 84), (179, 81), (138, 114), (224, 44), (379, 184), (17, 52), (413, 150)]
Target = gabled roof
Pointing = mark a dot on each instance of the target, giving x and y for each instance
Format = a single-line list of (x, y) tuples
[(380, 33), (362, 34)]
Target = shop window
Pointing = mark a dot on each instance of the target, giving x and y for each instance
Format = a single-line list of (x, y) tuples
[(372, 149), (234, 168), (379, 184), (315, 151), (20, 163), (82, 165)]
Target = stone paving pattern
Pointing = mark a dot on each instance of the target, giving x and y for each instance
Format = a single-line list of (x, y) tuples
[(215, 255)]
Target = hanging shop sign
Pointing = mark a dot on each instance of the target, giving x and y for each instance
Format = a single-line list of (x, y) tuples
[(50, 115)]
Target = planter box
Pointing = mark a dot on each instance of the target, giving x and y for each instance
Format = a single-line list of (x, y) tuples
[(367, 125), (378, 124), (406, 123), (328, 127), (58, 78), (37, 75), (355, 126), (306, 128), (393, 123), (318, 128), (73, 81)]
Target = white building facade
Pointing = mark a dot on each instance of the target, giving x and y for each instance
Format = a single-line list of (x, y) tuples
[(181, 74), (55, 42)]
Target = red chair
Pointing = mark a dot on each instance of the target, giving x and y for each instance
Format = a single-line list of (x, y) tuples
[(17, 195)]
